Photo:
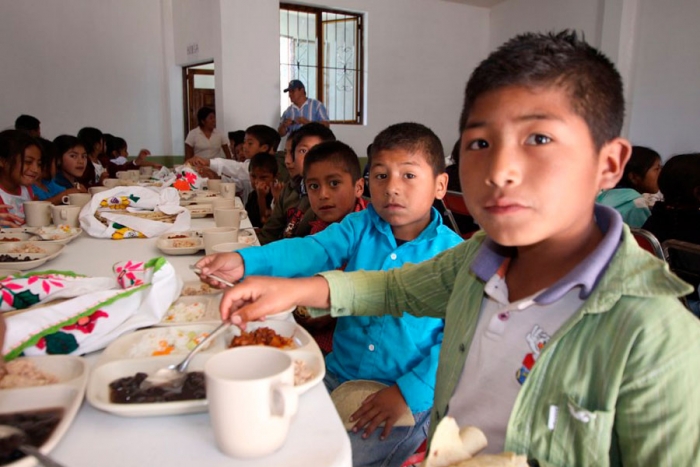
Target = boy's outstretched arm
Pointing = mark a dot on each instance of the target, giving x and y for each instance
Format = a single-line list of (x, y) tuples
[(228, 266), (260, 296)]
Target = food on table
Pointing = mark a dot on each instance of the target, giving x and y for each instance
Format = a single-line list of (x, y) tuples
[(22, 373), (302, 373), (184, 243), (170, 237), (13, 259), (27, 248), (9, 239), (452, 447), (128, 390), (262, 336), (38, 426), (203, 289), (56, 233), (167, 341), (185, 312)]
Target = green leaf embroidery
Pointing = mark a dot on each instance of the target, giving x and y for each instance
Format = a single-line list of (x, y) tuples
[(25, 299)]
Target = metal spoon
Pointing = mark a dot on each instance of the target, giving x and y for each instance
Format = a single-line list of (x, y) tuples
[(213, 276), (175, 374), (7, 433)]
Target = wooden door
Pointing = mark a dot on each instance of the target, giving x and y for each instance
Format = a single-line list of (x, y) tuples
[(195, 97)]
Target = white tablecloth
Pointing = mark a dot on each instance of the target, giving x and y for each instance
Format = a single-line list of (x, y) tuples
[(317, 437)]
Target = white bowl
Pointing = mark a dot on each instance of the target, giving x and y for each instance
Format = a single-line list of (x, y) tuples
[(228, 247)]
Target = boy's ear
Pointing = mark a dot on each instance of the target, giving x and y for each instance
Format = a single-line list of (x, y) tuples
[(265, 148), (613, 157), (441, 185), (359, 187)]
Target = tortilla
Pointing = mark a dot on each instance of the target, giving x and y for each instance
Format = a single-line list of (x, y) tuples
[(348, 397), (505, 459)]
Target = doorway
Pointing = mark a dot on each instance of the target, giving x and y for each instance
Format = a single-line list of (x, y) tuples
[(198, 91)]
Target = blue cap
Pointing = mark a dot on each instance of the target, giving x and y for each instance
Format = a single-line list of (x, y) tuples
[(295, 84)]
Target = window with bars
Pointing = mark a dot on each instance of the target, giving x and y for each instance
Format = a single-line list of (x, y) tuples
[(324, 49)]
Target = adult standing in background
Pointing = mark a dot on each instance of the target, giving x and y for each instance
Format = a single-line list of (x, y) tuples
[(206, 141), (302, 111)]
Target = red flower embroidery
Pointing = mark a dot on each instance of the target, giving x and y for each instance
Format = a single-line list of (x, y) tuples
[(46, 282), (86, 324), (126, 276)]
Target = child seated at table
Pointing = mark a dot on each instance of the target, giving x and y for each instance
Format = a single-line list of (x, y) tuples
[(678, 215), (564, 340), (71, 162), (258, 138), (20, 167), (334, 185), (399, 226), (263, 174), (93, 141), (291, 215), (638, 188), (117, 157), (46, 188)]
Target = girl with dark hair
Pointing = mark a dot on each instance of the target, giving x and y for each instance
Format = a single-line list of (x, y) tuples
[(92, 140), (47, 188), (206, 141), (20, 166)]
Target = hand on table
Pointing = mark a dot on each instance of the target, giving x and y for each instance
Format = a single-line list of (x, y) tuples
[(385, 406), (9, 220)]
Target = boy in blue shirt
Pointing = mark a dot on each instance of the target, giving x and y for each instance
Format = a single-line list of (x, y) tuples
[(564, 340), (400, 226)]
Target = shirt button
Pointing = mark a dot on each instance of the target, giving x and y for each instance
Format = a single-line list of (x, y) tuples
[(371, 347), (462, 348), (392, 256)]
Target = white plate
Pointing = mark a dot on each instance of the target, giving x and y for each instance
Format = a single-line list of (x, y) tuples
[(54, 234), (313, 360), (200, 210), (37, 259), (205, 198), (7, 237), (211, 311), (168, 247), (67, 394), (100, 378), (126, 346), (247, 237), (195, 287)]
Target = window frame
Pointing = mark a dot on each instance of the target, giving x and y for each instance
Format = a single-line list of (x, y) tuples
[(359, 58)]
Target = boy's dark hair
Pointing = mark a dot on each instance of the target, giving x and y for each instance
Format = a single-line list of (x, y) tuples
[(89, 137), (13, 143), (48, 154), (679, 180), (27, 123), (114, 143), (237, 136), (265, 135), (311, 129), (337, 153), (413, 138), (203, 113), (265, 161), (62, 144), (641, 160), (555, 59)]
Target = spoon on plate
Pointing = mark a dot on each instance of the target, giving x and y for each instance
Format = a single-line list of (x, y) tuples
[(12, 438), (175, 374), (196, 270)]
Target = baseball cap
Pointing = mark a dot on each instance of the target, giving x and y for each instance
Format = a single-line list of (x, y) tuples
[(295, 84)]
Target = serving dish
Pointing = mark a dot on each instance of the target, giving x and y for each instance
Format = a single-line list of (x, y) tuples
[(314, 362), (200, 210), (192, 310), (58, 234), (176, 246), (50, 251), (12, 237), (66, 394), (197, 288)]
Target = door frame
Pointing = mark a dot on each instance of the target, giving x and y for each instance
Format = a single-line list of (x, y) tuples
[(188, 88)]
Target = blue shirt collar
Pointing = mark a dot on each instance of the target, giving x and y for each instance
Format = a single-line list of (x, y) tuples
[(428, 233), (586, 274)]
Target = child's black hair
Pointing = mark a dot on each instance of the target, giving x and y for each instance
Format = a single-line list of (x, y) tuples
[(265, 135), (237, 136), (311, 129), (679, 181), (265, 161), (555, 60), (27, 123), (90, 136), (336, 152), (62, 145), (413, 138), (115, 143), (641, 160), (13, 144)]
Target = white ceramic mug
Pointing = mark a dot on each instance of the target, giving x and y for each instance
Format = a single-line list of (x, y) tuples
[(111, 182), (214, 185), (66, 215), (77, 199), (218, 235), (228, 247), (223, 203), (37, 213), (251, 399), (133, 175), (228, 190), (146, 170), (229, 217), (93, 190), (123, 175)]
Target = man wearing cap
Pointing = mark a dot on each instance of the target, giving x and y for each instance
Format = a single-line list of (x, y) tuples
[(302, 111)]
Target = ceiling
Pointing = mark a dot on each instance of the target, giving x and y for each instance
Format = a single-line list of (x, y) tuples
[(481, 3)]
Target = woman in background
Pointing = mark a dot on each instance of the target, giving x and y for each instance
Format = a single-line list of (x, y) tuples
[(206, 141)]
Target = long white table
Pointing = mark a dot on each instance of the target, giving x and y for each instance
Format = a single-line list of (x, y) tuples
[(317, 437)]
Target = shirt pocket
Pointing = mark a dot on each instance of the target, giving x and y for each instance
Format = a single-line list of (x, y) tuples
[(581, 436)]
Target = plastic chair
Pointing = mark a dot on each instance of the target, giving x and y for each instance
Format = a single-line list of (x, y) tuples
[(417, 457), (684, 260), (453, 202), (648, 242)]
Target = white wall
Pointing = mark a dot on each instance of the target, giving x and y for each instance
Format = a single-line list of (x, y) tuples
[(78, 63), (665, 108)]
